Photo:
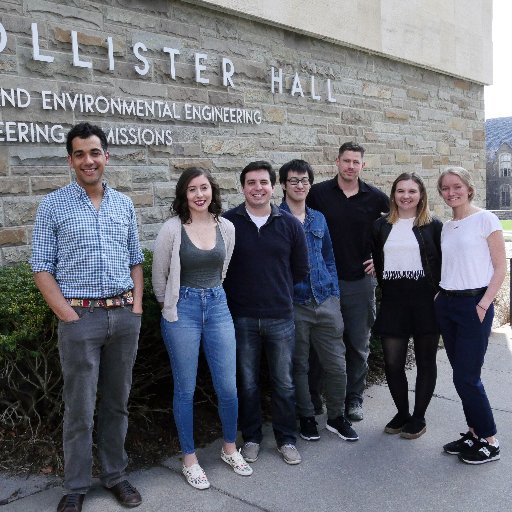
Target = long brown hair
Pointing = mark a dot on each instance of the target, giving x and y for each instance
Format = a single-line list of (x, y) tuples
[(423, 214), (180, 204)]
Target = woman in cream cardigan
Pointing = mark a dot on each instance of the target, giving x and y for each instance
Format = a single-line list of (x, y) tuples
[(192, 253)]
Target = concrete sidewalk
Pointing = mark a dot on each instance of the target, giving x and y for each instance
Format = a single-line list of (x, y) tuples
[(378, 473)]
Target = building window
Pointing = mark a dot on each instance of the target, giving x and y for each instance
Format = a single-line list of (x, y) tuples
[(505, 164), (505, 196)]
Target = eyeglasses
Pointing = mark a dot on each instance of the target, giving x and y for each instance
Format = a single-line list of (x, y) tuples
[(295, 181)]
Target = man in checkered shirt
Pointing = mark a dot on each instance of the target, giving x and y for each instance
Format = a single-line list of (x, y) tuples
[(87, 263)]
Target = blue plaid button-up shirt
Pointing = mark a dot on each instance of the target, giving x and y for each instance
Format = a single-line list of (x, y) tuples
[(88, 251)]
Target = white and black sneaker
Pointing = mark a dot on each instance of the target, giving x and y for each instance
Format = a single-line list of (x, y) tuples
[(480, 453), (343, 428), (466, 442), (308, 428)]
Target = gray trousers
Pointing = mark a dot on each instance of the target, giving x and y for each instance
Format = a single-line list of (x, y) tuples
[(97, 353), (358, 310), (320, 325)]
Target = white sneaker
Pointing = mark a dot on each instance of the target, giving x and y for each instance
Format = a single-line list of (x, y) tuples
[(195, 476), (237, 462)]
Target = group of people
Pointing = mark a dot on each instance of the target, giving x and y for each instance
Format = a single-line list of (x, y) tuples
[(295, 282)]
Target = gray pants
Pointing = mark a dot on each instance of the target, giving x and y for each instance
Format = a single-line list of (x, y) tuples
[(320, 325), (97, 353), (358, 310)]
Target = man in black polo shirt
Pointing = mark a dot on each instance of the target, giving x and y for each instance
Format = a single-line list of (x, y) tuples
[(350, 207)]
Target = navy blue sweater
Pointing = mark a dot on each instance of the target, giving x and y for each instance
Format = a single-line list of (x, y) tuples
[(265, 265)]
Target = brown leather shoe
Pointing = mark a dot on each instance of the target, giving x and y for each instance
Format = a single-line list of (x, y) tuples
[(71, 503), (126, 494)]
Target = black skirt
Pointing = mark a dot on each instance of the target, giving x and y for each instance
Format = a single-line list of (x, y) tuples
[(406, 309)]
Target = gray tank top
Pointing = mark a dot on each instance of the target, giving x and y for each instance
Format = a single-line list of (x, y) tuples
[(201, 268)]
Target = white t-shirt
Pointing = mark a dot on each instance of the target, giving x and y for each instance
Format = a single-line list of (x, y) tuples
[(467, 261), (402, 257), (259, 221)]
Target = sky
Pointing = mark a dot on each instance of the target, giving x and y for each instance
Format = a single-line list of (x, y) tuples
[(498, 97)]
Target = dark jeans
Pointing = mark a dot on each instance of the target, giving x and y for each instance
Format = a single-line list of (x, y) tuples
[(465, 339), (357, 302), (97, 353), (278, 337)]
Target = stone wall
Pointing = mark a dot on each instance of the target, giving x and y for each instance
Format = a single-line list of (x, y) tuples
[(407, 117)]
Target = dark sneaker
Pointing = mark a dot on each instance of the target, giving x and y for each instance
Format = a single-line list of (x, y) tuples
[(414, 428), (308, 430), (466, 442), (71, 503), (343, 428), (355, 411), (480, 453), (396, 424)]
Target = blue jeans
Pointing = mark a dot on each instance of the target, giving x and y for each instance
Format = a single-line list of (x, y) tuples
[(97, 353), (203, 316), (277, 336), (465, 340)]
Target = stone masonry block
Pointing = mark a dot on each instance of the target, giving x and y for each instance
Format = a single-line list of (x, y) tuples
[(20, 211), (12, 255), (402, 157), (427, 162), (4, 159), (274, 114), (218, 146), (49, 155), (44, 185), (141, 199), (91, 17), (12, 236), (397, 115), (14, 186)]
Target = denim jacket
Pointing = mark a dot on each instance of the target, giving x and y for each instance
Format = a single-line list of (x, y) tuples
[(322, 280)]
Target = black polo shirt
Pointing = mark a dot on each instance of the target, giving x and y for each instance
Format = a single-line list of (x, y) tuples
[(350, 220)]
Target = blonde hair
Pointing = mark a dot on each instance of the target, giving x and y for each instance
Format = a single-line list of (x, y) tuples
[(463, 174), (423, 214)]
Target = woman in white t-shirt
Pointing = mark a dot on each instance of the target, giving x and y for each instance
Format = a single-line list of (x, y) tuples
[(473, 269), (407, 259)]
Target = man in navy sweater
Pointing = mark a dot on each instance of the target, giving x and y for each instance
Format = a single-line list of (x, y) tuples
[(270, 255)]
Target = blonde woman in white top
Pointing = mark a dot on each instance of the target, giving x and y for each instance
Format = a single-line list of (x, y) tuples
[(473, 269)]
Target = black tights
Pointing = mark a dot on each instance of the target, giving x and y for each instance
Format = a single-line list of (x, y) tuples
[(395, 354)]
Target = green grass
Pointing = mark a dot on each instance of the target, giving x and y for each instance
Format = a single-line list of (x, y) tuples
[(507, 225)]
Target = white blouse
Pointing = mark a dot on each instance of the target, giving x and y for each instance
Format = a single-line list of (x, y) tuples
[(467, 260), (402, 259)]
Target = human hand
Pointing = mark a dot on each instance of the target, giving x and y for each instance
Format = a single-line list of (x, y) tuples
[(369, 267), (481, 312)]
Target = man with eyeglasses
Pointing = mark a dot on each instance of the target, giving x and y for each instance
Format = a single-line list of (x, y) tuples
[(350, 206), (318, 320)]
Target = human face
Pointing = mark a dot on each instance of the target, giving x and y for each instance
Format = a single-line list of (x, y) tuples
[(349, 164), (257, 190), (88, 161), (298, 192), (454, 191), (199, 194), (407, 197)]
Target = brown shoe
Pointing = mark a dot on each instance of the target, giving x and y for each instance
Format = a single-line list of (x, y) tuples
[(71, 503), (126, 494)]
